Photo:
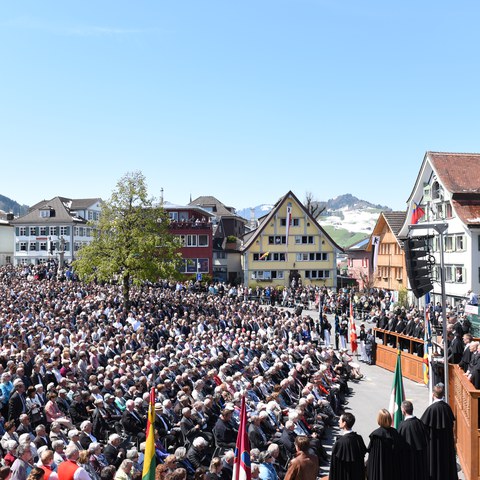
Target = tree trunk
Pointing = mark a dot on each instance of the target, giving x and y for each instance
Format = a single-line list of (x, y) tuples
[(126, 292)]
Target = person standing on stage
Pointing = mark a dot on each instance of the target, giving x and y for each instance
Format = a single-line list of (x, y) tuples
[(348, 453), (439, 419), (414, 433)]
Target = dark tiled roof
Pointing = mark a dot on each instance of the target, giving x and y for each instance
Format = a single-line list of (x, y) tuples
[(395, 220), (62, 213), (459, 172), (219, 208)]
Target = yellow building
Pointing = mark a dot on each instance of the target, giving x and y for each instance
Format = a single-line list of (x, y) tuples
[(389, 271), (289, 244)]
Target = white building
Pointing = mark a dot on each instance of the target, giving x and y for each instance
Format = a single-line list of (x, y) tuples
[(54, 225), (447, 190), (7, 235)]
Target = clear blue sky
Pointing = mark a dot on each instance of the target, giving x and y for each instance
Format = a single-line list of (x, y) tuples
[(243, 100)]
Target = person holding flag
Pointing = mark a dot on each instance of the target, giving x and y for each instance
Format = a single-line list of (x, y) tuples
[(149, 463), (241, 462)]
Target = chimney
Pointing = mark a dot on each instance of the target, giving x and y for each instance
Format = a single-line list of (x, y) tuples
[(10, 217), (161, 197)]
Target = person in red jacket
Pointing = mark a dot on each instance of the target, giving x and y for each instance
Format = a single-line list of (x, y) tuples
[(69, 469)]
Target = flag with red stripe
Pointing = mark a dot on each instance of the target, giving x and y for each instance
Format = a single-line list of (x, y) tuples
[(241, 463), (353, 330), (149, 463)]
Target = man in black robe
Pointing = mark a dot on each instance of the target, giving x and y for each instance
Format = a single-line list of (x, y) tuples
[(439, 418), (414, 433), (348, 453)]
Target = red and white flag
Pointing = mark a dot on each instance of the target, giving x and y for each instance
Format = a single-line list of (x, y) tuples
[(241, 462), (353, 330), (288, 222)]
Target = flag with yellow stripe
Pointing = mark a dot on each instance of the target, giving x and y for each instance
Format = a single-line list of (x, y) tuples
[(149, 463)]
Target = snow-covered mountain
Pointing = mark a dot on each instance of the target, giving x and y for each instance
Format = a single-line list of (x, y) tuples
[(343, 212)]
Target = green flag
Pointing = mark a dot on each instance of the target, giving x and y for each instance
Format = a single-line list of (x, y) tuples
[(398, 394)]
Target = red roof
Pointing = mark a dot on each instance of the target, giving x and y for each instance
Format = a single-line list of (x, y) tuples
[(459, 172)]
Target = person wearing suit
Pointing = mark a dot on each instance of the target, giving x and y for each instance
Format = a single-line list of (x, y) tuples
[(256, 435), (132, 423), (112, 451), (17, 403), (42, 438)]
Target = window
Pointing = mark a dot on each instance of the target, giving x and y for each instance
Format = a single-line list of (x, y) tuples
[(277, 240), (448, 210), (304, 239), (449, 243), (81, 231), (222, 255), (173, 216), (8, 259), (23, 246), (33, 246), (302, 257), (317, 274), (203, 240), (53, 230), (460, 243), (22, 231), (44, 213), (191, 240), (294, 223), (33, 231), (278, 257), (459, 275), (267, 274), (75, 231), (88, 231), (43, 246), (63, 230), (43, 231)]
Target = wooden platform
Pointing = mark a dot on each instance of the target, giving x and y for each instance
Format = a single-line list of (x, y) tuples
[(386, 356)]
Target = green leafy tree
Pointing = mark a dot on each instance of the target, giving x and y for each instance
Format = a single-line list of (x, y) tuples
[(132, 243)]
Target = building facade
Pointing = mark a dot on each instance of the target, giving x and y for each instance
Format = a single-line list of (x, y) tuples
[(386, 250), (227, 266), (54, 230), (447, 190), (194, 228), (7, 236), (359, 263), (289, 245)]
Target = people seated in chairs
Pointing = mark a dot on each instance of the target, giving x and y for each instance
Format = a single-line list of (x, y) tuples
[(224, 433), (133, 423)]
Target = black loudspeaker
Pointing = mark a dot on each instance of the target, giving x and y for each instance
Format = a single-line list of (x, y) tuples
[(419, 264)]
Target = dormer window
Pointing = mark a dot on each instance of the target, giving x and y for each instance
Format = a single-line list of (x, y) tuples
[(47, 213), (437, 191)]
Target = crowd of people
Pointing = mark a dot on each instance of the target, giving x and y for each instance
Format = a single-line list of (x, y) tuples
[(77, 367)]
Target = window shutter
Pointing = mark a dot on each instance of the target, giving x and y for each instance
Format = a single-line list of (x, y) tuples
[(17, 247), (67, 230), (17, 231)]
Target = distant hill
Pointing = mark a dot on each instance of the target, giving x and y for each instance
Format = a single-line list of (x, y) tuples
[(11, 206), (343, 237), (342, 217)]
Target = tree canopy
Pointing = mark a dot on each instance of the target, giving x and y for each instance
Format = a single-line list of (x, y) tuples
[(132, 243)]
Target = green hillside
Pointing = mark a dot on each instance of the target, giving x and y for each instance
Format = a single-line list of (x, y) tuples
[(343, 237)]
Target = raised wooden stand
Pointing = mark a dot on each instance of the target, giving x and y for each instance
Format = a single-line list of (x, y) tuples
[(464, 402), (386, 356)]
